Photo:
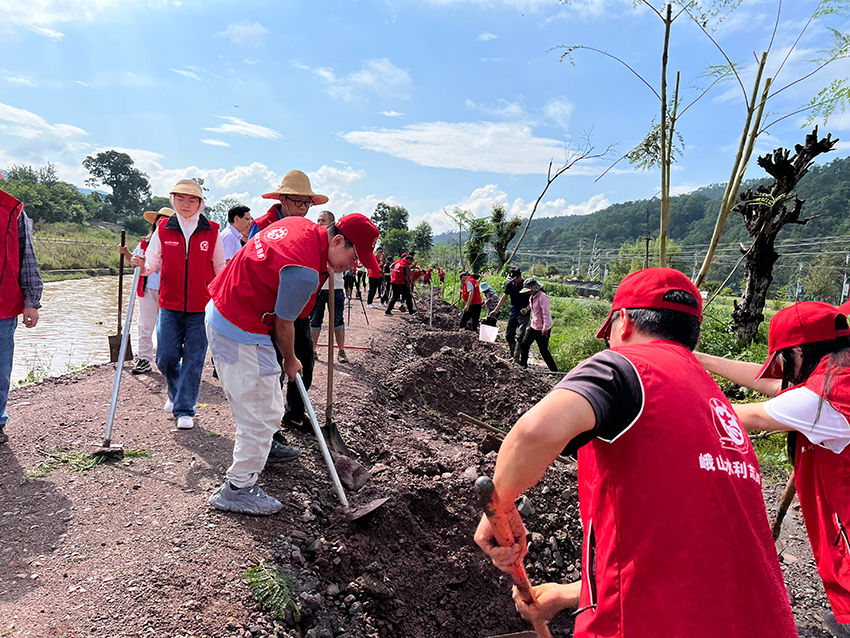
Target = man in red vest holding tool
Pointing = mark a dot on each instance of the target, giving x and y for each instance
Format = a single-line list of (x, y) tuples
[(400, 281), (20, 289), (676, 539), (265, 289)]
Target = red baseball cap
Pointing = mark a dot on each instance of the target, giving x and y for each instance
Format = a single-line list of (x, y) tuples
[(804, 322), (845, 308), (646, 289), (361, 232)]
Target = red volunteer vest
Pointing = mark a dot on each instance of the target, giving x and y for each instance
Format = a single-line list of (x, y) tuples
[(397, 276), (246, 291), (272, 215), (427, 276), (442, 274), (476, 291), (11, 295), (676, 539), (140, 288), (184, 277), (822, 478), (415, 274)]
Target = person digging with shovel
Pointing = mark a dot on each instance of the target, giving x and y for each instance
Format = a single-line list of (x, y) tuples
[(676, 539), (264, 289)]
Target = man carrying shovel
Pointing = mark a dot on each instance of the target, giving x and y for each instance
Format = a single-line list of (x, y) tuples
[(269, 284), (676, 540)]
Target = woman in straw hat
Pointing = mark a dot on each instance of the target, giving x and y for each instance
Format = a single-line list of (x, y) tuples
[(148, 303)]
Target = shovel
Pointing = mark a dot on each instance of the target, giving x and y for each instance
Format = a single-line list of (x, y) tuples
[(330, 429), (116, 340), (350, 514), (498, 515)]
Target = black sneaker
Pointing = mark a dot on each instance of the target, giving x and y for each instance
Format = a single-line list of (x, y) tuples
[(289, 421), (142, 366), (3, 436), (281, 453)]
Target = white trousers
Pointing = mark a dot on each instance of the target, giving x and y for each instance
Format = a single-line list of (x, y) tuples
[(250, 376), (148, 313)]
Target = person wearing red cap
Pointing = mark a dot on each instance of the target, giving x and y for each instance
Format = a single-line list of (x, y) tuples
[(676, 539), (266, 287), (400, 282), (808, 373)]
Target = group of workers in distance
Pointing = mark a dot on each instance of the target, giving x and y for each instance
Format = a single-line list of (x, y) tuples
[(676, 538)]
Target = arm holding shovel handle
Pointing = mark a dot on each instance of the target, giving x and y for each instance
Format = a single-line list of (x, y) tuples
[(500, 519)]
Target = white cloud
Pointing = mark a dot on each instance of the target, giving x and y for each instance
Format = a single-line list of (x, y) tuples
[(474, 146), (43, 12), (486, 37), (14, 79), (507, 110), (47, 33), (380, 77), (559, 110), (245, 33), (214, 142), (30, 126), (188, 74), (392, 113), (239, 126)]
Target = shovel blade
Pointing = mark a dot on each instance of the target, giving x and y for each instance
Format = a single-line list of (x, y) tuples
[(115, 348), (360, 512), (334, 439)]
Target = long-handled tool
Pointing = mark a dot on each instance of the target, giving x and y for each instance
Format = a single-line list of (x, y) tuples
[(326, 454), (116, 340), (498, 514), (784, 503), (108, 447), (331, 431)]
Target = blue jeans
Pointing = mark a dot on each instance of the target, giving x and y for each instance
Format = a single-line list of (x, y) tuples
[(180, 353), (317, 316), (7, 350)]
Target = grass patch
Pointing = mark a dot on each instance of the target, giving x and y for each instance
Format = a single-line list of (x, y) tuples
[(274, 588), (137, 453), (211, 434), (74, 460)]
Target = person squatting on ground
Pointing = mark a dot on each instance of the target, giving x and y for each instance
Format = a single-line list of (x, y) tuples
[(256, 301), (490, 296), (518, 317), (400, 281), (676, 540), (20, 290), (239, 222), (148, 303), (326, 218), (808, 372), (540, 326), (188, 248), (471, 292), (375, 279), (296, 196)]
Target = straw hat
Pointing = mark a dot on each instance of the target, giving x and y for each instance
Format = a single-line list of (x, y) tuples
[(296, 183), (188, 187), (151, 215)]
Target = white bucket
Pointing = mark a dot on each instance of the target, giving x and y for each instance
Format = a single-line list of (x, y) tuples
[(488, 333)]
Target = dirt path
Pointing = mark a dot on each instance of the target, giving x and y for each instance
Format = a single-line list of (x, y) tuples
[(132, 549)]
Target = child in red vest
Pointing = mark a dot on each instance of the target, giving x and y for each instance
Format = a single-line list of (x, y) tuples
[(188, 249), (808, 371)]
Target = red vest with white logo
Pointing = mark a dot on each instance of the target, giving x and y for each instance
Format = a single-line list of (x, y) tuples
[(140, 288), (475, 294), (245, 292), (676, 538), (397, 276), (11, 295), (822, 478), (272, 215), (184, 277)]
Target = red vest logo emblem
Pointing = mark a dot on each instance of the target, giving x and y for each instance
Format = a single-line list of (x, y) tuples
[(729, 430), (205, 246), (277, 234)]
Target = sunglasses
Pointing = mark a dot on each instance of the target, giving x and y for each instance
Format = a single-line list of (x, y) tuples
[(303, 203)]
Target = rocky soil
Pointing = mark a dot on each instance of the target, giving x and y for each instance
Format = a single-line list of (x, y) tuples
[(131, 548)]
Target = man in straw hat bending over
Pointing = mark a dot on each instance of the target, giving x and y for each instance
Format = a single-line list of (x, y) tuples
[(296, 196), (676, 540), (188, 248), (267, 287)]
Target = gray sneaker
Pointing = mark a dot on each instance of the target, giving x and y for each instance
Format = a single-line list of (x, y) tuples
[(839, 629), (281, 453), (245, 500)]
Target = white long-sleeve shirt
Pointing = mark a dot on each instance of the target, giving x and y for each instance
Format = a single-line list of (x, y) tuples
[(153, 255)]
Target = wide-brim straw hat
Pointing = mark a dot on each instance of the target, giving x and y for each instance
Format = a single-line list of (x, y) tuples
[(151, 215), (188, 187), (296, 183)]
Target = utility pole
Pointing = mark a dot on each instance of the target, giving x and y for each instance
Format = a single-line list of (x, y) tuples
[(593, 268), (797, 290), (648, 238), (844, 285)]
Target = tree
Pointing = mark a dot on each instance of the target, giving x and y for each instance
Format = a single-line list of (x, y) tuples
[(823, 280), (387, 218), (45, 198), (631, 257), (218, 211), (504, 230), (396, 242), (765, 212), (476, 245), (130, 187), (422, 240)]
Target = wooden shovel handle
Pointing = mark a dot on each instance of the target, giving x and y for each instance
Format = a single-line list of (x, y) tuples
[(499, 518)]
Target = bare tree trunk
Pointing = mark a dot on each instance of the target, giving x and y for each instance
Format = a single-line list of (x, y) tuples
[(665, 175)]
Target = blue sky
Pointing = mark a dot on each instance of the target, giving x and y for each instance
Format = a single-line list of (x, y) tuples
[(430, 104)]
